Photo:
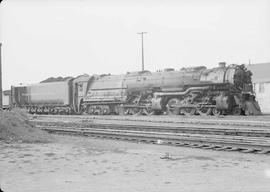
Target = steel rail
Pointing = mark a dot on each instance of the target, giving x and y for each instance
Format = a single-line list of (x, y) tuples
[(217, 130), (236, 143), (161, 119), (210, 136), (240, 138)]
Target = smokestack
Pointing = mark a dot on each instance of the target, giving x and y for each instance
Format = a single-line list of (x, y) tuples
[(1, 92), (222, 64)]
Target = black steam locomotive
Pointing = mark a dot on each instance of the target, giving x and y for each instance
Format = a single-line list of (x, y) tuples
[(189, 91)]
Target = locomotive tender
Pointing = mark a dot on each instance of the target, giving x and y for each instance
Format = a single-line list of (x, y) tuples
[(189, 91)]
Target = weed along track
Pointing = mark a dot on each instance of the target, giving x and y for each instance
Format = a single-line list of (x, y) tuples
[(228, 135)]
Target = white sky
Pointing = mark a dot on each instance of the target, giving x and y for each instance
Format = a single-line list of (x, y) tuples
[(45, 38)]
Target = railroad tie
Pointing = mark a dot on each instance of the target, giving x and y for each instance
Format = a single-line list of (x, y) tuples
[(219, 148), (180, 144), (224, 148), (247, 150), (187, 144), (233, 149), (196, 146), (263, 152), (208, 147)]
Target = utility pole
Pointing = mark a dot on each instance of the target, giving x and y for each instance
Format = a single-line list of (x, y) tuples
[(1, 92), (142, 49)]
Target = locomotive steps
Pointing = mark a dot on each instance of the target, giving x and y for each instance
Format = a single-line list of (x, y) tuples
[(223, 134)]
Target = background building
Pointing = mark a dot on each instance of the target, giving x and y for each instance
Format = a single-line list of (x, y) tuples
[(6, 99), (261, 83)]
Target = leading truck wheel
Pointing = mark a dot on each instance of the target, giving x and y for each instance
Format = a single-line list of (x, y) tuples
[(216, 112), (237, 111), (247, 113)]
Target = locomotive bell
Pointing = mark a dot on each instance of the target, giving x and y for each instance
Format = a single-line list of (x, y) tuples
[(222, 64)]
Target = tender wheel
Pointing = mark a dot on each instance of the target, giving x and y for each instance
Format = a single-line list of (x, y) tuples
[(171, 106), (247, 113), (90, 110), (56, 111), (204, 111), (106, 111), (216, 112), (189, 111), (237, 111), (124, 111)]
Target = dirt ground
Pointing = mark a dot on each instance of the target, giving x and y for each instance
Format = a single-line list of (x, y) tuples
[(85, 164)]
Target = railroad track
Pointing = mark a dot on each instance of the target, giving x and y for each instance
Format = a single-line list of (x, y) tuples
[(208, 136), (168, 128), (263, 121)]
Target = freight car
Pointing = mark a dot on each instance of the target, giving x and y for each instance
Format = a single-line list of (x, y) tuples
[(189, 91)]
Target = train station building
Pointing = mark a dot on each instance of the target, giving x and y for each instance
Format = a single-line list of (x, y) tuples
[(261, 83)]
